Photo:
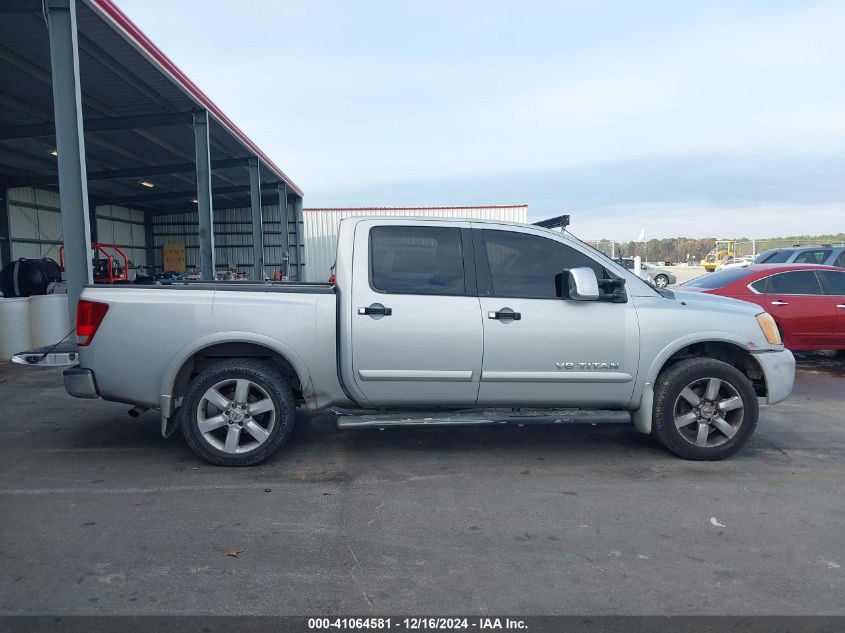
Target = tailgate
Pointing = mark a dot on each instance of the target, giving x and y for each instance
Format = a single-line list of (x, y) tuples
[(63, 354)]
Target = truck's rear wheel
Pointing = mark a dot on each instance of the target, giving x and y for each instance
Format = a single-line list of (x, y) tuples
[(704, 409), (238, 412)]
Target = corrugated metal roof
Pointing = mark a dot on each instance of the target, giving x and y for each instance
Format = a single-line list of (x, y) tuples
[(123, 74), (110, 12)]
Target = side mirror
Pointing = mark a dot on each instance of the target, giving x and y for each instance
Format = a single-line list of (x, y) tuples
[(578, 284)]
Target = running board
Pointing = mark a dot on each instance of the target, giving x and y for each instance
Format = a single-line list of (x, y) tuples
[(481, 417)]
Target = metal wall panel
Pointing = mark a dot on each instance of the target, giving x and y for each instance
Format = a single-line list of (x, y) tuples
[(321, 227), (232, 237), (35, 224), (125, 228)]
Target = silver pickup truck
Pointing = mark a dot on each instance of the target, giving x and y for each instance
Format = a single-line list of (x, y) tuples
[(434, 322)]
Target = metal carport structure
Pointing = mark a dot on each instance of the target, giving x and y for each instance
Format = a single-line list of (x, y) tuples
[(90, 107)]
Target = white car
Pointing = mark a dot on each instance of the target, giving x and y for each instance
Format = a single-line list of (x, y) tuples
[(735, 262)]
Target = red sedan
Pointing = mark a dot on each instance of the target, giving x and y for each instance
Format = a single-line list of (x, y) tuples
[(806, 301)]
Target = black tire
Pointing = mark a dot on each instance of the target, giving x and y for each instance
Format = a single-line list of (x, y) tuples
[(668, 403), (663, 278), (262, 376)]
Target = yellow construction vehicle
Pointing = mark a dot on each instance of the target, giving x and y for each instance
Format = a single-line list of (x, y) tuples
[(721, 251)]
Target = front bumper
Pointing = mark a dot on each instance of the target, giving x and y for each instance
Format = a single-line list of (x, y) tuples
[(80, 383), (779, 372)]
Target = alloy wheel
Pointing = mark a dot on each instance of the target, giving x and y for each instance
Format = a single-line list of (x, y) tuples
[(236, 415), (708, 412)]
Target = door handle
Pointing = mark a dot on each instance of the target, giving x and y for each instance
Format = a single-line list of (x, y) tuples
[(780, 303), (505, 314), (841, 306), (375, 310)]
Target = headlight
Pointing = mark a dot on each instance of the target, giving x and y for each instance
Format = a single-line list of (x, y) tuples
[(770, 328)]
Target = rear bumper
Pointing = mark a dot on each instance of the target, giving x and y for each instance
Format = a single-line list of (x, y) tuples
[(80, 383), (779, 371)]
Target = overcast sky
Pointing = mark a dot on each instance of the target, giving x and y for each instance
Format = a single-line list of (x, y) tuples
[(695, 119)]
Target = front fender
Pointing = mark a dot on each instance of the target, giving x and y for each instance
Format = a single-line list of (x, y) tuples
[(714, 336), (642, 406)]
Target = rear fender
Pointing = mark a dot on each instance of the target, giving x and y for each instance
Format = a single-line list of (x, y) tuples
[(168, 383)]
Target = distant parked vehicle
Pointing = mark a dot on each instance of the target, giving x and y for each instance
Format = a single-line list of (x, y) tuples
[(826, 255), (806, 301), (735, 262), (660, 277)]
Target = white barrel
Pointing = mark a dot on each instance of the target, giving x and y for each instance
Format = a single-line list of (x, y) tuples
[(48, 319), (14, 327)]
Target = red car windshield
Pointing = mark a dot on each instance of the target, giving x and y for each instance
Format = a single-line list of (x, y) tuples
[(718, 279)]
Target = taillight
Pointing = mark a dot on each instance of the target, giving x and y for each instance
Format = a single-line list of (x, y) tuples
[(89, 315)]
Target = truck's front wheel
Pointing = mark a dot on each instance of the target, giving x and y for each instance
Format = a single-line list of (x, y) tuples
[(238, 412), (704, 409)]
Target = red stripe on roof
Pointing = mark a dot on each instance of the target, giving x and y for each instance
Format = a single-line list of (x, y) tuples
[(119, 19), (364, 209)]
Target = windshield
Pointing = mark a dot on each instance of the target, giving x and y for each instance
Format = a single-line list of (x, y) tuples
[(717, 280), (774, 257)]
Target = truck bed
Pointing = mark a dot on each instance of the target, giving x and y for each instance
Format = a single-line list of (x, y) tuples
[(242, 286)]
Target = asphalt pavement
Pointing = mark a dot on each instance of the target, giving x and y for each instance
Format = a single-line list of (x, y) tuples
[(100, 515)]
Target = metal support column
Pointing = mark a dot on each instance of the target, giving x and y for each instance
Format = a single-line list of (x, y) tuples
[(94, 230), (283, 218), (204, 208), (70, 144), (5, 228), (293, 248), (257, 223), (300, 239), (149, 243)]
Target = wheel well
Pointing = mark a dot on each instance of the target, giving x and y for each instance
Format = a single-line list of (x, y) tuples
[(213, 354), (728, 353)]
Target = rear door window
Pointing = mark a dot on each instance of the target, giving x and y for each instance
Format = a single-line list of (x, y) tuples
[(802, 282), (840, 261), (834, 282), (417, 260)]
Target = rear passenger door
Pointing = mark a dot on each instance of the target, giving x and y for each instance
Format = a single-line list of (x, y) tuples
[(797, 302), (834, 287), (416, 321)]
